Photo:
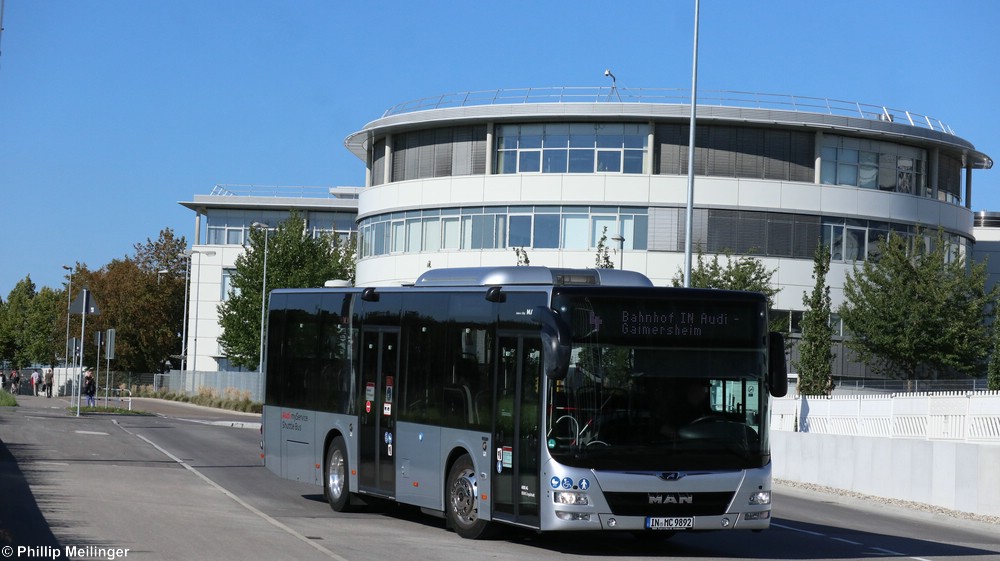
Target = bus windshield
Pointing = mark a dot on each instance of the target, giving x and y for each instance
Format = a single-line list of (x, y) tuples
[(660, 384)]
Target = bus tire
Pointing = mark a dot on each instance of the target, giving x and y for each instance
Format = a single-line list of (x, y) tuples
[(336, 484), (462, 501)]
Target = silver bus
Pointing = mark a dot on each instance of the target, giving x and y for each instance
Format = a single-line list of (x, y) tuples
[(549, 399)]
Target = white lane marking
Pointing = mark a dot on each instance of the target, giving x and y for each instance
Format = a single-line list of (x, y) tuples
[(91, 432), (243, 503), (888, 551), (800, 530), (819, 534)]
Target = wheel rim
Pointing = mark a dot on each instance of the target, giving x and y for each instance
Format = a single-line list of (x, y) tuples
[(335, 475), (464, 503)]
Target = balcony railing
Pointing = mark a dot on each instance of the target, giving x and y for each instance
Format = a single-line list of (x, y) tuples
[(608, 94)]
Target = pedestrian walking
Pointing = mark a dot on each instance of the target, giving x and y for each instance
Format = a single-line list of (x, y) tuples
[(89, 388), (47, 383), (36, 382)]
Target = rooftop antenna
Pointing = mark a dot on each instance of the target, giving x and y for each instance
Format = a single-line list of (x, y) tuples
[(614, 85), (1, 20)]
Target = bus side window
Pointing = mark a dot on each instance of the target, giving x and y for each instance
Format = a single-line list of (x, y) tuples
[(458, 405)]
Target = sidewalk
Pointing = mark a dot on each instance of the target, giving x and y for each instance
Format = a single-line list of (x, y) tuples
[(151, 405)]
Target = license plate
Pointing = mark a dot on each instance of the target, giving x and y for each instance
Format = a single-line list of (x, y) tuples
[(663, 523)]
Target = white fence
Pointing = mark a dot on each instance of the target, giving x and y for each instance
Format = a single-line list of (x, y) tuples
[(960, 416), (191, 382)]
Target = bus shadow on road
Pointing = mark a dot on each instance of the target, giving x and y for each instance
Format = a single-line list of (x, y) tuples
[(21, 521), (785, 540)]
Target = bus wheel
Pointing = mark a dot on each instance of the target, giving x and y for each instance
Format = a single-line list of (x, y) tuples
[(462, 501), (337, 487)]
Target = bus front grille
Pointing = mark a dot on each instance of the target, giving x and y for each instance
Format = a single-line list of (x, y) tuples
[(668, 504)]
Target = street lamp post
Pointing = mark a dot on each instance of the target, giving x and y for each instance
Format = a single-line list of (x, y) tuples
[(197, 293), (69, 303), (263, 297), (621, 251), (689, 209)]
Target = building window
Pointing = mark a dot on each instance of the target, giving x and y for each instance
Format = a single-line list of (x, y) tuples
[(871, 164), (572, 148), (478, 228), (227, 284)]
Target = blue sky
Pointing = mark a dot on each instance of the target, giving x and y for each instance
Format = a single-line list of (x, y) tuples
[(113, 111)]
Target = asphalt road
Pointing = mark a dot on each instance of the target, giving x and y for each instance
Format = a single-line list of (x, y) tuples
[(187, 483)]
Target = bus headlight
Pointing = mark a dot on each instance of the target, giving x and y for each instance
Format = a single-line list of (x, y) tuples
[(761, 498), (570, 498)]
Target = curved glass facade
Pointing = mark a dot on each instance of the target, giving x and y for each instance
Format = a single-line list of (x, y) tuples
[(541, 227), (501, 227), (624, 148)]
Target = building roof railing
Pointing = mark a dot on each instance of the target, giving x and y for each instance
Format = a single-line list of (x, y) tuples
[(284, 191), (722, 98)]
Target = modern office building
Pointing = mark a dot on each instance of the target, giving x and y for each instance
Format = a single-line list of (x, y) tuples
[(462, 180), (223, 220)]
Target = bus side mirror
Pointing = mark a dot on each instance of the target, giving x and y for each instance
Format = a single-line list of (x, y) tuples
[(777, 370), (556, 340)]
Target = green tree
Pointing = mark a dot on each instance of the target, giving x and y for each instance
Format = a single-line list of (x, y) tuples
[(522, 257), (42, 342), (294, 260), (135, 302), (14, 327), (603, 259), (993, 371), (918, 311), (142, 298), (815, 364), (164, 258), (741, 273)]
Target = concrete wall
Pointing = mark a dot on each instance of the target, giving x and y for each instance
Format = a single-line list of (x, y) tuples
[(954, 475)]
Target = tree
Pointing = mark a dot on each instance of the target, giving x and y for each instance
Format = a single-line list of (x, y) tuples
[(42, 342), (993, 371), (603, 259), (522, 257), (137, 304), (918, 311), (815, 365), (164, 262), (741, 273), (294, 260), (142, 298), (14, 324)]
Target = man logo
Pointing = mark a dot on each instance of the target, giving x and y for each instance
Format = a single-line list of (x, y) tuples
[(671, 476), (671, 498)]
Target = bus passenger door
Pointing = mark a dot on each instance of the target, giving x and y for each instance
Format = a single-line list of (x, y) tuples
[(377, 431), (516, 429)]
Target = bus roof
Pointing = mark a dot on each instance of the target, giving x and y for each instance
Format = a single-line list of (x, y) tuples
[(505, 276)]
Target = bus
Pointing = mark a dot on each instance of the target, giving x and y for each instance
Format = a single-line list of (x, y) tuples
[(548, 399)]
